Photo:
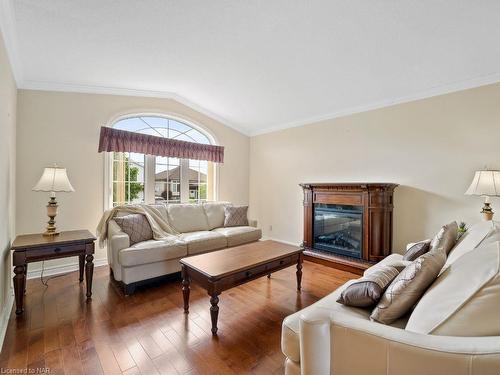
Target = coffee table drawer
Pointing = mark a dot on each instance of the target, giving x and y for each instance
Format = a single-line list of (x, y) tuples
[(259, 271)]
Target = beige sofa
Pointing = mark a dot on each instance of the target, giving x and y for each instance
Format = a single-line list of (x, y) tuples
[(201, 228), (330, 338)]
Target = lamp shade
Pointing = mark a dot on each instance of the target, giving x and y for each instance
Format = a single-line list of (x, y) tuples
[(485, 183), (54, 179)]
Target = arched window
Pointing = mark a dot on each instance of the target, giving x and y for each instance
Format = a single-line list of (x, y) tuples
[(138, 178)]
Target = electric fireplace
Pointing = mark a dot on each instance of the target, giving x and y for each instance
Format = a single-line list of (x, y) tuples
[(348, 225)]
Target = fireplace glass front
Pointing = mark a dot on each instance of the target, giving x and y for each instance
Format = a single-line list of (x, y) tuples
[(338, 229)]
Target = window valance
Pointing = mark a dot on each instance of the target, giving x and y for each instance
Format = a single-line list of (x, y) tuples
[(124, 141)]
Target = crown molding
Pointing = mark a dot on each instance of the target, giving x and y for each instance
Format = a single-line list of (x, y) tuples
[(432, 92), (8, 31), (105, 90), (472, 83)]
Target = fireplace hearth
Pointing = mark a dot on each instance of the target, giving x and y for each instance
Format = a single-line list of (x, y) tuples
[(348, 224)]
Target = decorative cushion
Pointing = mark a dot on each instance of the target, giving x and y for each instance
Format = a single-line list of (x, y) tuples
[(465, 299), (215, 213), (136, 226), (235, 216), (187, 217), (417, 249), (367, 290), (394, 260), (446, 237), (408, 287)]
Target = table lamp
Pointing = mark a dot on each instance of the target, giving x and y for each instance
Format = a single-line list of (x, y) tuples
[(54, 179), (487, 184)]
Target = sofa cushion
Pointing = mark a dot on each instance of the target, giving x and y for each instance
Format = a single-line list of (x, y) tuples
[(465, 299), (136, 226), (235, 216), (152, 251), (203, 241), (162, 208), (290, 336), (187, 217), (493, 235), (409, 286), (239, 235), (215, 213), (478, 234)]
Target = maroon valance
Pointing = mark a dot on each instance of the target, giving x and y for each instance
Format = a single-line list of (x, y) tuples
[(124, 141)]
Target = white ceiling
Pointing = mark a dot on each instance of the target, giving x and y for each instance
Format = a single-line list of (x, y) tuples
[(258, 65)]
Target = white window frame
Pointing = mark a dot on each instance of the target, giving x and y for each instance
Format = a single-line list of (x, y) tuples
[(149, 162)]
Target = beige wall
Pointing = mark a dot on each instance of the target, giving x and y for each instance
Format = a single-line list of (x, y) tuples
[(64, 128), (430, 147), (7, 184)]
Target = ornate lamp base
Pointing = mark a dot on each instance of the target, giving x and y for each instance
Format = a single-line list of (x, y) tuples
[(487, 212), (51, 213)]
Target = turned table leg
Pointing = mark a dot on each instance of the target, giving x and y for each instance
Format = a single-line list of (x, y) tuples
[(299, 272), (81, 266), (25, 277), (89, 272), (214, 312), (19, 284), (185, 289)]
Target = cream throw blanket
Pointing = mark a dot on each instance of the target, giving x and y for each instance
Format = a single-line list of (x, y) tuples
[(159, 225)]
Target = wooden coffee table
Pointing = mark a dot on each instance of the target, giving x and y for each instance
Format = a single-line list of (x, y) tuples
[(225, 269)]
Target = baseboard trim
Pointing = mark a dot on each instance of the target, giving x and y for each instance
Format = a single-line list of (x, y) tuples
[(62, 268), (282, 241), (4, 318)]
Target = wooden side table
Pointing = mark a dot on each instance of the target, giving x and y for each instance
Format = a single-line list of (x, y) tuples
[(30, 248)]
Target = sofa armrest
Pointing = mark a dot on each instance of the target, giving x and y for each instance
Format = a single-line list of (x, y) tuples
[(252, 223), (117, 240), (392, 350), (314, 344)]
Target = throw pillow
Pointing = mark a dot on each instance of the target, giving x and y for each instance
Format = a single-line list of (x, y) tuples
[(465, 299), (367, 290), (417, 249), (398, 264), (235, 216), (407, 288), (446, 238), (136, 226)]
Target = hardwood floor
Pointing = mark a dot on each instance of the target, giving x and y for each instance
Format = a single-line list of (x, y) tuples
[(148, 333)]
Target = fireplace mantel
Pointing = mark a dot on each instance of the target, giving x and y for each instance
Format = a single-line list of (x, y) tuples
[(376, 201)]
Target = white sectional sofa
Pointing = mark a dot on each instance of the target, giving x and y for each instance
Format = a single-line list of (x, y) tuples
[(201, 228), (330, 338)]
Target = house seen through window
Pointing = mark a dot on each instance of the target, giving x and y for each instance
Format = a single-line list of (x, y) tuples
[(139, 178)]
